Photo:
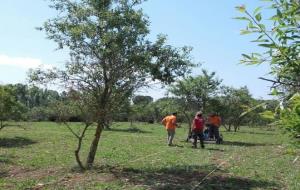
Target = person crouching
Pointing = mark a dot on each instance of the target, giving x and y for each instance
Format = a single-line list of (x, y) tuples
[(197, 129)]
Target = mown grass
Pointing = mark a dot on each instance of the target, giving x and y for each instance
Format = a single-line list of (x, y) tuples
[(41, 157)]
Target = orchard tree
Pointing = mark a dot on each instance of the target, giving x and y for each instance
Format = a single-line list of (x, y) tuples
[(110, 55), (139, 99), (234, 103), (195, 92), (141, 110), (10, 108)]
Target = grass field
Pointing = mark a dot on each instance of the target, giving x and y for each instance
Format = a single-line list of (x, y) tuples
[(41, 157)]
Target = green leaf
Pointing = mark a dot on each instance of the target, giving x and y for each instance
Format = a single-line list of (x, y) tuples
[(243, 32), (263, 27), (242, 18), (268, 45), (274, 92), (279, 14), (246, 56), (258, 17)]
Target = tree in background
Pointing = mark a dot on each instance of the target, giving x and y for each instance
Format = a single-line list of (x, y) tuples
[(141, 110), (233, 102), (166, 106), (10, 108), (195, 93), (281, 40), (110, 55)]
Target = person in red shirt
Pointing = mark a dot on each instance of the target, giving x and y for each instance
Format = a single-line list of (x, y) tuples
[(197, 129), (170, 123)]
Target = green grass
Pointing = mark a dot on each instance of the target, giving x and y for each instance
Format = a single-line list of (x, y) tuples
[(41, 157)]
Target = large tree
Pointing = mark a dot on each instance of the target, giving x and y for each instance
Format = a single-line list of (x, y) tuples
[(110, 55)]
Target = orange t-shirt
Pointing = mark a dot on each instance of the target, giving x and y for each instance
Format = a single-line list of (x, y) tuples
[(215, 120), (170, 122)]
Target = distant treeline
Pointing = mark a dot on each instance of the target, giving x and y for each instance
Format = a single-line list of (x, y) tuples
[(37, 104)]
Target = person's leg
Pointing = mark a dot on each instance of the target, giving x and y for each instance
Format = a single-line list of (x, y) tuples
[(217, 135), (171, 136), (213, 129), (201, 136), (195, 139), (210, 131)]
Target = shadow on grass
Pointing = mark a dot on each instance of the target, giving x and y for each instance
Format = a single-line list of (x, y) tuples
[(15, 142), (251, 132), (3, 174), (6, 159), (215, 149), (236, 143), (129, 130), (185, 177)]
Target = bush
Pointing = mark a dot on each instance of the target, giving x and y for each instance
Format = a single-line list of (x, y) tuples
[(290, 117)]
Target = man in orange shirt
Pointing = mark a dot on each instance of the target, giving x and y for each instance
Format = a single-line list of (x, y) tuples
[(214, 121), (170, 123)]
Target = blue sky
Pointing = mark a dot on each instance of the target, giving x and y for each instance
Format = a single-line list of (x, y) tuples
[(206, 25)]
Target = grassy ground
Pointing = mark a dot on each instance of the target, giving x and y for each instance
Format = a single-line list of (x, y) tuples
[(41, 157)]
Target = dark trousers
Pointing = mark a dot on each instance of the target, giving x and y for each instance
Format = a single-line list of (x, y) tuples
[(196, 135), (214, 132)]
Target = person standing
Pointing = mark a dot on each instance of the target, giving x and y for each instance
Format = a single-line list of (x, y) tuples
[(197, 129), (170, 123), (214, 121)]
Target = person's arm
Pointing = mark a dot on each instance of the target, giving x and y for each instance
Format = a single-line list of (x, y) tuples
[(174, 122), (163, 121), (220, 121), (193, 126)]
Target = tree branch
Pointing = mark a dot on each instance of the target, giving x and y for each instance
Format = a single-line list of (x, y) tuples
[(280, 82)]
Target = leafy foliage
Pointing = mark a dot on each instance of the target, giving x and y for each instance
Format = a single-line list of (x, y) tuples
[(290, 116), (10, 107), (195, 92), (281, 40)]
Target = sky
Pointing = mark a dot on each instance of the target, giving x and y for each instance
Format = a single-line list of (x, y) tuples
[(206, 25)]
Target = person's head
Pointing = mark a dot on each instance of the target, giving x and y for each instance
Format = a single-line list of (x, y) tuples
[(213, 114), (199, 114), (174, 113)]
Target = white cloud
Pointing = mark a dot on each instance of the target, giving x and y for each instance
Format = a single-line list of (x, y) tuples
[(22, 62)]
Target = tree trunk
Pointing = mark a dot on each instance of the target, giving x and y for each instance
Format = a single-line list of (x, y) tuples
[(225, 127), (77, 154), (80, 138), (236, 128), (94, 145), (189, 126)]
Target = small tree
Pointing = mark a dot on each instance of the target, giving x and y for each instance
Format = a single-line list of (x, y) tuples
[(110, 55), (10, 108), (234, 103)]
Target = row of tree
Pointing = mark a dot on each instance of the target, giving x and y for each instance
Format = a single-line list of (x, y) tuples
[(203, 92)]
